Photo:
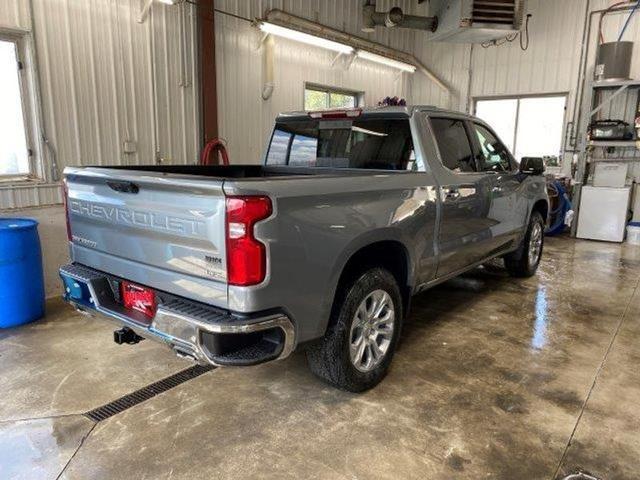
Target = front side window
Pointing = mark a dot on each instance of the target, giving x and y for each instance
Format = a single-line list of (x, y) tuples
[(360, 143), (493, 155), (14, 153), (453, 143)]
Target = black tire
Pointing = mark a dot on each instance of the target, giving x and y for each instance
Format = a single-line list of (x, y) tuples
[(330, 357), (518, 263)]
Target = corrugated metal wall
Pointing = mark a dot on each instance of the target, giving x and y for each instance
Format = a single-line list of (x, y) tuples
[(98, 65), (105, 79), (450, 62), (245, 119), (549, 65), (552, 62)]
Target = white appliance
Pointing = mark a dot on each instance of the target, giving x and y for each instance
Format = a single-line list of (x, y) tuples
[(636, 203), (603, 213), (610, 174)]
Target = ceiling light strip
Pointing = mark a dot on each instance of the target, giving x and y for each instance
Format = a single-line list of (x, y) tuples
[(389, 62), (316, 41), (299, 36)]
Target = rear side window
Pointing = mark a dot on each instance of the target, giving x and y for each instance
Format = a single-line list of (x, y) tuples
[(278, 148), (344, 143), (493, 154), (453, 143)]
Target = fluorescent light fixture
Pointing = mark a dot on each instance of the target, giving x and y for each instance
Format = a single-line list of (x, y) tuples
[(298, 36), (389, 62), (169, 2)]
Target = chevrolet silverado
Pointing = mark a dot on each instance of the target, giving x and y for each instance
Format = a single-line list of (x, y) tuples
[(320, 247)]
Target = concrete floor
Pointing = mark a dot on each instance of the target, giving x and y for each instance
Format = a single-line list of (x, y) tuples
[(495, 378)]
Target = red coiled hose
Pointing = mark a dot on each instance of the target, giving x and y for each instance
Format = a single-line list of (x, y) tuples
[(214, 149)]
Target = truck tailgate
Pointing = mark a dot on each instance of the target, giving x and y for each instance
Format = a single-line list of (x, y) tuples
[(164, 231)]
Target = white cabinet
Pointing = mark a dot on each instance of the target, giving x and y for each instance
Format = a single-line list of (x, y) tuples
[(603, 213)]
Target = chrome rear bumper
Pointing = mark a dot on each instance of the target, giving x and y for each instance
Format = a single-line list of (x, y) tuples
[(203, 333)]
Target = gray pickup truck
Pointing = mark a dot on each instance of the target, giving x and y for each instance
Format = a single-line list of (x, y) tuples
[(352, 212)]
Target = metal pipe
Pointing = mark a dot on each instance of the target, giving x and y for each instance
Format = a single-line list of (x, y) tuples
[(585, 28), (268, 54), (417, 22), (54, 171), (287, 20), (207, 90), (395, 18)]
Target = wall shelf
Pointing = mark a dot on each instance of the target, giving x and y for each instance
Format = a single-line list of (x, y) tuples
[(616, 84), (612, 143)]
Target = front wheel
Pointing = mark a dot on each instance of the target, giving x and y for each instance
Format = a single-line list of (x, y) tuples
[(525, 260), (356, 351)]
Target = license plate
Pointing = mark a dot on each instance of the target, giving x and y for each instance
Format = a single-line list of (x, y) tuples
[(77, 292), (140, 299)]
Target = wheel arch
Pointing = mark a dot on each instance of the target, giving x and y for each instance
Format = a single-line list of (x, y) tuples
[(391, 254), (541, 206)]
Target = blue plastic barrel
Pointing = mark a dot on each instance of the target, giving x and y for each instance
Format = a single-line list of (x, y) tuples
[(21, 280)]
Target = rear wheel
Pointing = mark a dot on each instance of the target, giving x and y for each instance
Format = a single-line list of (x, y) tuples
[(356, 351), (525, 260)]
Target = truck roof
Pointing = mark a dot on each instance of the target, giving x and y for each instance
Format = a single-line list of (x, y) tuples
[(382, 111)]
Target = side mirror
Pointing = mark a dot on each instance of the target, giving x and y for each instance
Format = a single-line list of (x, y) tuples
[(532, 165)]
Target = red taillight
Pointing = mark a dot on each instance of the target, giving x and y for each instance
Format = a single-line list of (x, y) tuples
[(65, 201), (138, 298), (246, 256)]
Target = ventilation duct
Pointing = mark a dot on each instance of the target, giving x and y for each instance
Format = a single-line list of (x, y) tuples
[(394, 18)]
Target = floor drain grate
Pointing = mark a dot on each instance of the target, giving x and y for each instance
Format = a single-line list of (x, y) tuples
[(145, 393)]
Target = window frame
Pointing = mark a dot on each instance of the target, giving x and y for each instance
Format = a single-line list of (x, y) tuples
[(358, 95), (419, 161), (525, 96), (513, 164), (28, 99), (467, 129)]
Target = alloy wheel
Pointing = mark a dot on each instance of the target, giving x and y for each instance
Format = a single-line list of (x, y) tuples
[(371, 331)]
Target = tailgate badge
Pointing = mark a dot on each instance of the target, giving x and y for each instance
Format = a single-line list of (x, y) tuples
[(85, 242), (213, 260)]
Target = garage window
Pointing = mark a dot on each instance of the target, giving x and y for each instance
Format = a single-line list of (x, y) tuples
[(14, 150), (317, 97), (528, 126)]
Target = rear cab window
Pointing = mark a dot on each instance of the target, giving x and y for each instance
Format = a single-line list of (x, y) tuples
[(360, 143), (454, 145)]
